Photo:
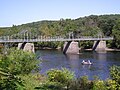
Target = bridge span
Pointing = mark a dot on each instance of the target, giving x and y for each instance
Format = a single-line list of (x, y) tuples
[(70, 45), (52, 39)]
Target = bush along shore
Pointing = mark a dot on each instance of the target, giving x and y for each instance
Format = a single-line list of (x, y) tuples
[(19, 70)]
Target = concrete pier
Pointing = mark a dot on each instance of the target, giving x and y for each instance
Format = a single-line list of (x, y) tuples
[(71, 47), (26, 47), (99, 46)]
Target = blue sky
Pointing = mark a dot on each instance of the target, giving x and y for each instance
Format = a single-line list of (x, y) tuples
[(19, 12)]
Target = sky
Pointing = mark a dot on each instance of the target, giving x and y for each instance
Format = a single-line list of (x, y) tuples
[(17, 12)]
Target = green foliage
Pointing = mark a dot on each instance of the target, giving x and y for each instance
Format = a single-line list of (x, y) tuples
[(11, 82), (86, 44), (115, 73), (116, 34), (32, 81), (57, 80), (61, 76), (99, 85), (84, 82), (106, 25), (14, 63), (52, 45), (81, 83), (111, 84), (50, 86)]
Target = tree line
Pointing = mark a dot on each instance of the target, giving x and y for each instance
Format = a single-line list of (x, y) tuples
[(93, 25)]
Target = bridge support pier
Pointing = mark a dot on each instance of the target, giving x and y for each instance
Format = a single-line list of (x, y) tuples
[(99, 46), (26, 46), (71, 47)]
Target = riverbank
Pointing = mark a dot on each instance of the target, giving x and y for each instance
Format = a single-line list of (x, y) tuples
[(107, 49), (59, 48)]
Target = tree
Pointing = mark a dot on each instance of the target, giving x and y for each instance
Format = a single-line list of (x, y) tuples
[(116, 34), (106, 25), (13, 64)]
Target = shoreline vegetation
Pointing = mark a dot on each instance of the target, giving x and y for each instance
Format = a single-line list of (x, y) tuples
[(59, 48), (16, 73), (107, 49)]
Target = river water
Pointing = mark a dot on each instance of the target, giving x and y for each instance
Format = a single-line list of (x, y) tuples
[(100, 67)]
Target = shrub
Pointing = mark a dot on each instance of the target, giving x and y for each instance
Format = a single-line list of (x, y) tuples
[(81, 83), (50, 86), (62, 76), (13, 64), (111, 84), (32, 81), (115, 75), (99, 85)]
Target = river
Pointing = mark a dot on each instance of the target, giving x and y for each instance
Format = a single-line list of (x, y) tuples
[(100, 67)]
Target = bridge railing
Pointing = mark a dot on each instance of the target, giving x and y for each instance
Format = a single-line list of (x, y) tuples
[(44, 38)]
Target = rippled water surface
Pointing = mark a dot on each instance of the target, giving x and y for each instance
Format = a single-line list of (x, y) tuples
[(100, 67)]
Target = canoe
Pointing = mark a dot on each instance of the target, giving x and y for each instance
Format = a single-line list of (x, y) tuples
[(86, 62)]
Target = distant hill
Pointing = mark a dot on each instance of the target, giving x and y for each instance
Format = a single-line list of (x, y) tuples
[(107, 25)]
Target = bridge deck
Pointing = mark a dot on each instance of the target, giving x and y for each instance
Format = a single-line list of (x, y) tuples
[(54, 39)]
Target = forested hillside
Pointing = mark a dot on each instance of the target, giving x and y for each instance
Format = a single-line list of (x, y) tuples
[(107, 25)]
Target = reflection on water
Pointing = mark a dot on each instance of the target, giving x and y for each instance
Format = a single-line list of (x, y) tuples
[(101, 51), (86, 66), (73, 60), (100, 67), (100, 56)]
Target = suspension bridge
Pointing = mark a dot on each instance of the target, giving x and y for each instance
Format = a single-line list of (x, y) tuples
[(70, 45), (29, 37)]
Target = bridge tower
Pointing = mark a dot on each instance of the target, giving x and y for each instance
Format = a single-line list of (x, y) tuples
[(26, 46), (99, 46), (71, 47)]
